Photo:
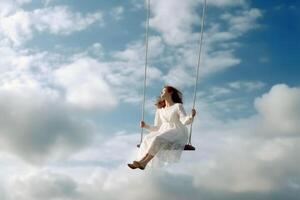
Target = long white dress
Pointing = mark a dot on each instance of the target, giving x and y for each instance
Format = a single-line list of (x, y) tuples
[(167, 138)]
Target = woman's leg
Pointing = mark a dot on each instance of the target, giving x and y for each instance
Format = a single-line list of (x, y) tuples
[(136, 164), (142, 163), (141, 160), (147, 159), (154, 148)]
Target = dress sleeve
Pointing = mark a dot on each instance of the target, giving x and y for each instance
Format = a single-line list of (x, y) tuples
[(184, 118), (157, 122)]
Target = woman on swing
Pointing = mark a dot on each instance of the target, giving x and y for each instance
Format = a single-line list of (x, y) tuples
[(167, 138)]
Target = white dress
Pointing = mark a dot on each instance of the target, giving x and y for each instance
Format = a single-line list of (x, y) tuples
[(167, 138)]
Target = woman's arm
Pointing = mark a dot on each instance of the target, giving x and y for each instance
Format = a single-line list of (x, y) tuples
[(157, 123), (184, 118)]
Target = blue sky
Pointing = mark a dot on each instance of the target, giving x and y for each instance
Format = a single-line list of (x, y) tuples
[(71, 89)]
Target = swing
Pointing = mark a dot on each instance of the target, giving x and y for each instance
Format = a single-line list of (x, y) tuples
[(188, 146)]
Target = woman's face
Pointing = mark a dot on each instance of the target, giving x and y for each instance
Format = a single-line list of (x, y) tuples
[(164, 93)]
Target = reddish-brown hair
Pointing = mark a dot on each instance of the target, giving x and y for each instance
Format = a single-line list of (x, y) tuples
[(176, 96), (160, 103)]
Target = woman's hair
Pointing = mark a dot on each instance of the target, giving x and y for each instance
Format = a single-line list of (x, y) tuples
[(160, 103), (176, 96)]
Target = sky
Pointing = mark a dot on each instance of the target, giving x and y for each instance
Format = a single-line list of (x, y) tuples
[(71, 86)]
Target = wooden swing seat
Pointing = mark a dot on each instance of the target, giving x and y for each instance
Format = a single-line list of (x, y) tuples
[(187, 147)]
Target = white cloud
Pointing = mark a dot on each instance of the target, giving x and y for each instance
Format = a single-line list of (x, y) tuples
[(247, 85), (23, 1), (250, 164), (35, 124), (255, 154), (117, 13), (84, 84), (238, 23), (232, 87), (174, 19), (43, 184), (9, 6), (177, 42), (104, 80), (178, 77), (100, 182), (115, 149), (21, 25), (61, 20), (48, 2), (280, 110), (219, 91), (128, 68), (17, 27), (139, 4), (244, 22), (136, 51), (230, 100), (274, 149), (224, 3), (259, 167), (218, 61)]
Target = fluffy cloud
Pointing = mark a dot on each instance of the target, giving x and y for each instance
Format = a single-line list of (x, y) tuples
[(221, 38), (84, 85), (114, 150), (256, 167), (16, 27), (20, 25), (246, 85), (255, 154), (280, 110), (177, 27), (9, 6), (238, 23), (244, 22), (135, 51), (225, 3), (128, 68), (230, 88), (179, 77), (39, 102), (35, 125), (45, 185), (174, 19), (254, 157), (61, 20), (112, 185)]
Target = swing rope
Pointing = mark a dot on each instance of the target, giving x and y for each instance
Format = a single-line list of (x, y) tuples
[(189, 145), (198, 67), (146, 65)]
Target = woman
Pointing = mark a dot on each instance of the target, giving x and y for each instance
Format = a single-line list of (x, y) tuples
[(169, 134)]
